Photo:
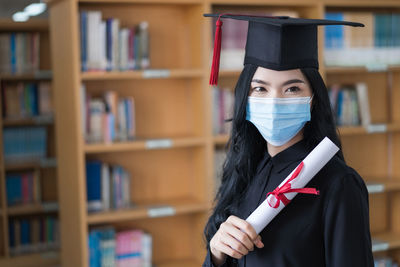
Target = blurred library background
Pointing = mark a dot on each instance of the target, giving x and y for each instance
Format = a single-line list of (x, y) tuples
[(112, 141)]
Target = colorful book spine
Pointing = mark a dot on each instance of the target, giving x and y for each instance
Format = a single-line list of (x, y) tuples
[(83, 35), (375, 46), (33, 234), (108, 186), (27, 100), (93, 186), (350, 104), (19, 52), (105, 46), (108, 119), (130, 248), (24, 143)]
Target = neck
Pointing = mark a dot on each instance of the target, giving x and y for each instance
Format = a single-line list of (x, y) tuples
[(273, 150)]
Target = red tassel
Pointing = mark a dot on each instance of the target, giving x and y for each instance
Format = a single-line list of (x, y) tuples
[(217, 53)]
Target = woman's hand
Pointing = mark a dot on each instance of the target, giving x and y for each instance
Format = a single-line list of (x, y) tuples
[(235, 237)]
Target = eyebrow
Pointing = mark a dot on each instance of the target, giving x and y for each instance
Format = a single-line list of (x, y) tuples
[(284, 84)]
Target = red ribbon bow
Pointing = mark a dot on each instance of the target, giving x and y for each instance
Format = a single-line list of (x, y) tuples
[(279, 192)]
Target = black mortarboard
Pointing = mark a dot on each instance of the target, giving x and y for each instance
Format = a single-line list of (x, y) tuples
[(278, 43)]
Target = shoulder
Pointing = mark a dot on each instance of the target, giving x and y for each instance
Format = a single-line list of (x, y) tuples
[(336, 171), (338, 180)]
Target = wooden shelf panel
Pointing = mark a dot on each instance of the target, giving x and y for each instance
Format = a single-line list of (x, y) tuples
[(347, 70), (143, 211), (264, 3), (164, 143), (43, 163), (221, 139), (371, 129), (385, 241), (142, 74), (30, 25), (34, 208), (43, 259), (181, 263), (380, 186), (37, 120), (361, 4), (185, 2), (229, 73), (37, 76)]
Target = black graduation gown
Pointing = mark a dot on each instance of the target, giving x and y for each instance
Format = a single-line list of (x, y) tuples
[(330, 229)]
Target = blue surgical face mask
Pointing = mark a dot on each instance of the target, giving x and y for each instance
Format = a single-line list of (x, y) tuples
[(278, 119)]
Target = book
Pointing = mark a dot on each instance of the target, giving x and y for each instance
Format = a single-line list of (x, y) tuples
[(108, 186), (350, 104), (108, 247), (362, 98), (19, 52), (93, 185), (33, 234), (106, 46), (24, 143), (27, 100), (375, 46), (108, 119)]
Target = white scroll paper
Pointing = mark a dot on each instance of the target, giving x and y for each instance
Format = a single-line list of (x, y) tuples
[(313, 163)]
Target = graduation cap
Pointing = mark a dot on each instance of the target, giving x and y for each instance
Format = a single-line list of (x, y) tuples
[(275, 42)]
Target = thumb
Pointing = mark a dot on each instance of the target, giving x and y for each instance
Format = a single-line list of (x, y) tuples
[(258, 242)]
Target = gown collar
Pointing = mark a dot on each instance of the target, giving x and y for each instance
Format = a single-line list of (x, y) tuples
[(295, 152)]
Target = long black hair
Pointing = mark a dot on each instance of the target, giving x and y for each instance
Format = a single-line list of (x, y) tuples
[(246, 146)]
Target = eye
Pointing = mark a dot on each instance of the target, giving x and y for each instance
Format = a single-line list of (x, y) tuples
[(293, 89), (258, 89)]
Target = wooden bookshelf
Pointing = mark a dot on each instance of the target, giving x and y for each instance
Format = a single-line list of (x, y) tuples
[(170, 161), (45, 168), (176, 171)]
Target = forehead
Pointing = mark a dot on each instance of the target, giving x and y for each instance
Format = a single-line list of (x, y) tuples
[(274, 76)]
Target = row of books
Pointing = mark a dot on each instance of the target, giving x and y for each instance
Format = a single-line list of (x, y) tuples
[(105, 45), (22, 100), (384, 262), (108, 118), (108, 186), (19, 52), (109, 248), (350, 104), (22, 188), (34, 234), (378, 43), (223, 100), (24, 143)]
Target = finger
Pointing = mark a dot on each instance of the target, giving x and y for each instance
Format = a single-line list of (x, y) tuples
[(229, 240), (228, 250), (239, 235), (244, 226), (258, 242)]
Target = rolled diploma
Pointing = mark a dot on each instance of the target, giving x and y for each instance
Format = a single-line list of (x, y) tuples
[(313, 163)]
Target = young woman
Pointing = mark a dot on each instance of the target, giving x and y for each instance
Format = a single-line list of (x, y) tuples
[(280, 115)]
